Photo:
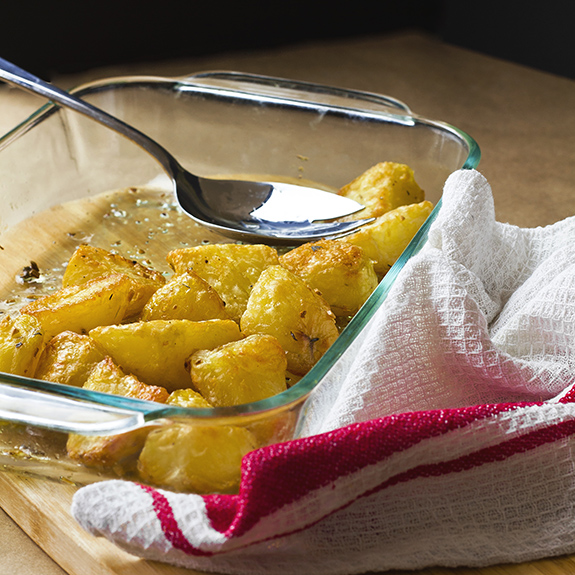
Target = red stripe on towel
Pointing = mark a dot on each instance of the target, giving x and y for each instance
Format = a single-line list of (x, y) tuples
[(170, 527), (499, 452), (240, 512), (272, 476)]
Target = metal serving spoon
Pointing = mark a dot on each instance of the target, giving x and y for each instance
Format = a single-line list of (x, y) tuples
[(270, 212)]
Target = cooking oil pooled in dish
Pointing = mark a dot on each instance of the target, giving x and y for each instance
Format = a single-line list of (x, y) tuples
[(139, 223)]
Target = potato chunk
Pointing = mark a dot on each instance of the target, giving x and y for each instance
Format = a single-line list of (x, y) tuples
[(156, 351), (196, 458), (21, 343), (114, 452), (382, 188), (187, 398), (69, 358), (340, 271), (282, 305), (239, 372), (88, 262), (231, 269), (185, 296), (100, 301), (385, 239), (107, 377)]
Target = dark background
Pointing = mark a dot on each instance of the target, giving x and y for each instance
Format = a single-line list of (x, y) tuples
[(70, 37)]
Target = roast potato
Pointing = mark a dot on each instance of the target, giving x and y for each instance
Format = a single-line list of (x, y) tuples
[(196, 458), (69, 358), (187, 398), (156, 351), (21, 342), (231, 269), (101, 301), (282, 305), (239, 372), (115, 452), (384, 240), (108, 377), (89, 262), (382, 188), (185, 296), (340, 271)]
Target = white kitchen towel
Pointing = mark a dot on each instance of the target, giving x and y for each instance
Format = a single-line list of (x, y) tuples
[(443, 437)]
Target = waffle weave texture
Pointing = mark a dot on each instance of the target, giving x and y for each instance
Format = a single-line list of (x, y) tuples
[(444, 436)]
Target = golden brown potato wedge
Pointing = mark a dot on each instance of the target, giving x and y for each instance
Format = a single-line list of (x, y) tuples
[(89, 262), (21, 343), (108, 377), (101, 301), (185, 296), (385, 239), (382, 188), (115, 452), (282, 305), (196, 458), (111, 453), (231, 269), (239, 372), (156, 351), (187, 398), (69, 358), (340, 271)]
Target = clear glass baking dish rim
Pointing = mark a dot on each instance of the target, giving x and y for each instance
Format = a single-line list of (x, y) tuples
[(392, 109)]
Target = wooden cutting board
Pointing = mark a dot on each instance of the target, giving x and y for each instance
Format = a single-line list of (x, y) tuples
[(42, 509)]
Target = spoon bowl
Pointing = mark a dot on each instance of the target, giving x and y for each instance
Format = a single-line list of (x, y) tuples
[(278, 212), (270, 212)]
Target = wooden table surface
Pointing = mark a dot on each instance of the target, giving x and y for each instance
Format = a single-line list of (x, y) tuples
[(523, 120)]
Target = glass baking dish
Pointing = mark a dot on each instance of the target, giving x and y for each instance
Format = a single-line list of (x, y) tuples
[(215, 123)]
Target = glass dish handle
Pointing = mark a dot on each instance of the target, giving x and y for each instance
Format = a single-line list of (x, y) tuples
[(281, 89), (50, 411)]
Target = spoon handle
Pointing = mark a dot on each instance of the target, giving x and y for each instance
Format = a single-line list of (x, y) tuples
[(23, 79)]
